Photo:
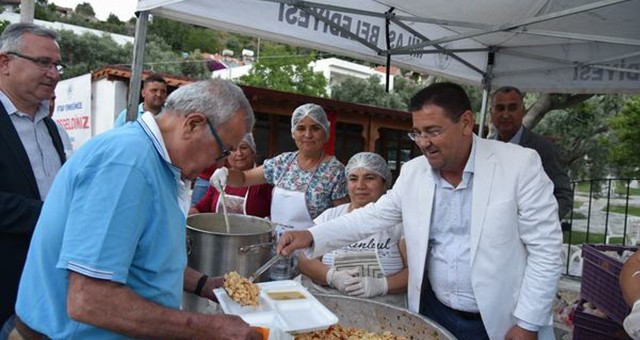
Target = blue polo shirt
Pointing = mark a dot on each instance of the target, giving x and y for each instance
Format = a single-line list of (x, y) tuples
[(122, 116), (112, 214)]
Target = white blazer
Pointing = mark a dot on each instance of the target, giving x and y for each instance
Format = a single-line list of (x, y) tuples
[(516, 240)]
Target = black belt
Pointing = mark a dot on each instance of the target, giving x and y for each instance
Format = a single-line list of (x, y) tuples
[(26, 332), (464, 315)]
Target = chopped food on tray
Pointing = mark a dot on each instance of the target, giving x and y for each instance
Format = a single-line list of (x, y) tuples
[(339, 332), (241, 290)]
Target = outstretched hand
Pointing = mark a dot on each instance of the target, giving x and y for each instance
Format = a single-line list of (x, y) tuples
[(294, 240), (219, 178)]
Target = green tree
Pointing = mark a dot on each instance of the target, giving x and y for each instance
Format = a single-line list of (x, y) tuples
[(158, 57), (372, 92), (172, 32), (625, 141), (202, 39), (88, 52), (365, 91), (279, 70), (113, 19), (194, 66), (580, 133), (45, 12), (85, 9)]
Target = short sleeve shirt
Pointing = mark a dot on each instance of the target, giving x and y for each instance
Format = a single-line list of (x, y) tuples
[(112, 214)]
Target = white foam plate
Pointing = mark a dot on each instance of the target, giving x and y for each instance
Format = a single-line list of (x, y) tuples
[(292, 316)]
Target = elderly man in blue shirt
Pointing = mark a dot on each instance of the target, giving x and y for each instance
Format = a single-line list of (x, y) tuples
[(108, 256)]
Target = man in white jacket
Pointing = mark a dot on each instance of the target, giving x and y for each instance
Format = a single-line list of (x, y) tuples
[(480, 221)]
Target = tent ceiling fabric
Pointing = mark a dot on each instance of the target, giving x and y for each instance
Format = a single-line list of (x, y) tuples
[(571, 46)]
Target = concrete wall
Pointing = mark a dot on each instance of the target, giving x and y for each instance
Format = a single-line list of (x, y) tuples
[(109, 97)]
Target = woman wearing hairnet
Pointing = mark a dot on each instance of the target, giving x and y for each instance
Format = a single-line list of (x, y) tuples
[(306, 182), (374, 267), (254, 200)]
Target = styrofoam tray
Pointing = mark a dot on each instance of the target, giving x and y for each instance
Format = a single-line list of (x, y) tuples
[(293, 316)]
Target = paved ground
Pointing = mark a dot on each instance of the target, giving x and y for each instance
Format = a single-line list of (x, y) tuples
[(614, 222)]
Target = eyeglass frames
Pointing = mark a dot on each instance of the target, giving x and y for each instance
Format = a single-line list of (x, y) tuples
[(429, 134), (42, 62), (225, 152)]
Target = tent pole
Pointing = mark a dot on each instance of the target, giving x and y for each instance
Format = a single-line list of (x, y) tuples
[(387, 21), (483, 111), (486, 89), (136, 68)]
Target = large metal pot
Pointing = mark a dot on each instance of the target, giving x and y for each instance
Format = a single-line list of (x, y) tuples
[(213, 251), (378, 317)]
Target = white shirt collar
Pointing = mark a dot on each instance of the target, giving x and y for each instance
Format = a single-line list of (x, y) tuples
[(150, 126)]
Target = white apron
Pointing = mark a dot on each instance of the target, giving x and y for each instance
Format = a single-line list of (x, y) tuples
[(289, 207), (235, 204), (289, 212)]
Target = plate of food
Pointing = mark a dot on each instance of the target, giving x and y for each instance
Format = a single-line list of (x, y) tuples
[(281, 304)]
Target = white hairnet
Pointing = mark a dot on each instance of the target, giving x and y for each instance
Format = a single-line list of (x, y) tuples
[(313, 111), (372, 162), (248, 139)]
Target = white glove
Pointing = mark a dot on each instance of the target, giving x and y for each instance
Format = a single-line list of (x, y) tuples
[(219, 178), (632, 322), (367, 286), (338, 279)]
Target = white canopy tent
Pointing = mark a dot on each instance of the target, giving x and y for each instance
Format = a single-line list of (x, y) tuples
[(568, 46)]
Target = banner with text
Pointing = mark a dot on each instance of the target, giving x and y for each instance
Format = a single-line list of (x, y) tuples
[(73, 108)]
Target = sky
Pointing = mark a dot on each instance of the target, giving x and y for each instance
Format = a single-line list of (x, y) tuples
[(124, 9)]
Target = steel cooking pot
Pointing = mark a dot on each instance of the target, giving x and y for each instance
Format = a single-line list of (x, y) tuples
[(213, 251), (378, 317)]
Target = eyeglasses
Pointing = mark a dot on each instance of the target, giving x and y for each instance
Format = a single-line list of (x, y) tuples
[(416, 136), (225, 152), (42, 62)]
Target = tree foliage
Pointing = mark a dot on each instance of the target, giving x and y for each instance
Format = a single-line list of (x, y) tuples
[(185, 37), (625, 141), (367, 91), (88, 52), (580, 133), (85, 9), (278, 70)]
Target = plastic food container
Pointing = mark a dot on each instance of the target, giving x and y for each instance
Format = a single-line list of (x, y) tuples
[(282, 304)]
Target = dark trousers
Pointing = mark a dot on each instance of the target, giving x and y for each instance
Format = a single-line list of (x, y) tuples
[(462, 325)]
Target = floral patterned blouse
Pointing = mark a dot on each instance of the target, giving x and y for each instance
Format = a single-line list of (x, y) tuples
[(323, 185)]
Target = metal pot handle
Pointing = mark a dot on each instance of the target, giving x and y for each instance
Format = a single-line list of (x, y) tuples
[(255, 247), (189, 244)]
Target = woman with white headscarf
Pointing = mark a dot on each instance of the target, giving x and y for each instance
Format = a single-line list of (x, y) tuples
[(306, 182), (375, 267), (254, 200)]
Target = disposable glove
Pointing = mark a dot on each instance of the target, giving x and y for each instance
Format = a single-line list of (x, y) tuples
[(338, 279), (367, 286), (632, 322), (219, 178)]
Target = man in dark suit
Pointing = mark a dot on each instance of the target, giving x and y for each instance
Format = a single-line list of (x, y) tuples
[(31, 152), (507, 111)]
